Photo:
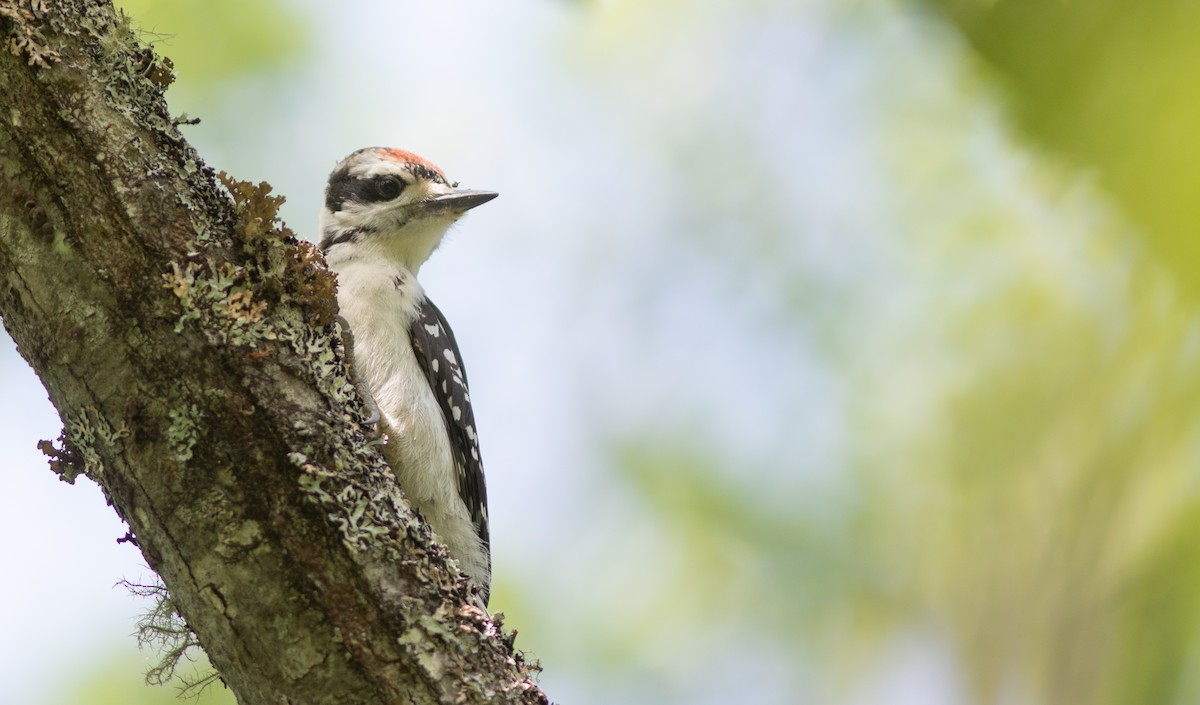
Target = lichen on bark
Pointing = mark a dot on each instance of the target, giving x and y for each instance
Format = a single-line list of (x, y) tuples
[(185, 337)]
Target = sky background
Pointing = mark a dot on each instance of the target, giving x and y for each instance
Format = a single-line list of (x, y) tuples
[(810, 363)]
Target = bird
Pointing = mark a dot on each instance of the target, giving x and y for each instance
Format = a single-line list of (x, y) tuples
[(386, 210)]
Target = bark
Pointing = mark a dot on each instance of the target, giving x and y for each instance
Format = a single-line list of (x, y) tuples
[(186, 341)]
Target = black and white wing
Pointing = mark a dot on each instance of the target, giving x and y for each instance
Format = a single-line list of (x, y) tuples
[(437, 354)]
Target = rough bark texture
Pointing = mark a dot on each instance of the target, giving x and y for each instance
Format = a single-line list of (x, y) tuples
[(186, 342)]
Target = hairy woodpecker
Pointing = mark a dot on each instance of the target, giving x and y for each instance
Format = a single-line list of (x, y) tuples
[(386, 211)]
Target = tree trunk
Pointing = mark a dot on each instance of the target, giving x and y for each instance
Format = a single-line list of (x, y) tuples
[(187, 342)]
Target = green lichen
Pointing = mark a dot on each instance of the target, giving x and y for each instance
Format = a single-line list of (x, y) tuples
[(25, 37), (263, 289), (231, 297), (184, 431), (363, 507), (221, 297), (426, 650), (86, 436), (352, 507)]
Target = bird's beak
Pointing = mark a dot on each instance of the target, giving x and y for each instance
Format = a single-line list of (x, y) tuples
[(458, 201)]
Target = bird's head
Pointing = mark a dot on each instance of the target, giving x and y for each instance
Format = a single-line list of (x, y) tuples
[(390, 203)]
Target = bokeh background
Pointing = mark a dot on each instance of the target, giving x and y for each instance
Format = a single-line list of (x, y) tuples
[(823, 351)]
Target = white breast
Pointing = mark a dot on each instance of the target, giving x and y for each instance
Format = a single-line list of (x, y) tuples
[(380, 301)]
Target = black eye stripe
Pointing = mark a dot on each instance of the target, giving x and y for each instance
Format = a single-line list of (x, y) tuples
[(344, 187), (340, 188)]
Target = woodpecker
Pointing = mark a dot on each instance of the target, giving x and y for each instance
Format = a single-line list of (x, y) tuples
[(386, 211)]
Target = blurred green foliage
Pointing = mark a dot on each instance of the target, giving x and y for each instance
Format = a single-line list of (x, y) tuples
[(1023, 479), (1057, 505), (225, 39), (1108, 84), (115, 679)]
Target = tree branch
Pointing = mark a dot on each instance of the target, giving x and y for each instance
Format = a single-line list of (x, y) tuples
[(186, 341)]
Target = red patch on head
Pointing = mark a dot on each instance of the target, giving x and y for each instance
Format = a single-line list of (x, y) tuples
[(401, 155)]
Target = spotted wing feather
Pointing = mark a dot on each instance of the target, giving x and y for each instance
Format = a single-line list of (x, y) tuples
[(437, 354)]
